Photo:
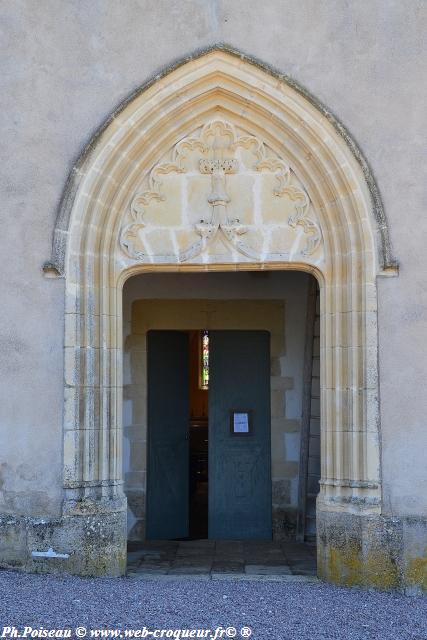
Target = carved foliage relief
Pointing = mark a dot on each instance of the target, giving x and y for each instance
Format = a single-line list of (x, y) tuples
[(221, 195)]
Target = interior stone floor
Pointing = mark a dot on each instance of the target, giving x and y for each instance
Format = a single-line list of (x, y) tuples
[(221, 558)]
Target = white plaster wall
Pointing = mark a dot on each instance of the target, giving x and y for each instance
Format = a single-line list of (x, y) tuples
[(66, 65)]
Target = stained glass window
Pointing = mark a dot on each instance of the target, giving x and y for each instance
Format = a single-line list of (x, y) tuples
[(204, 362)]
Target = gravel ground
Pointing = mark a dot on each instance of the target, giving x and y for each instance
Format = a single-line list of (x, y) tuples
[(281, 610)]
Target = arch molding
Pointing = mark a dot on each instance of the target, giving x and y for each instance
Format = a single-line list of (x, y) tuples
[(221, 164)]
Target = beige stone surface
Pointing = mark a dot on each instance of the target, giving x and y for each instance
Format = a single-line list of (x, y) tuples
[(226, 188)]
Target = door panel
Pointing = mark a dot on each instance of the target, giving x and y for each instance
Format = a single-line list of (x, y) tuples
[(239, 465), (168, 451)]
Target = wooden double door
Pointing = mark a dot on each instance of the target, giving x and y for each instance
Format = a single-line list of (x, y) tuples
[(239, 481)]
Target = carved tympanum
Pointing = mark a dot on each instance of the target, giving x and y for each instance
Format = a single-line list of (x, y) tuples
[(217, 152)]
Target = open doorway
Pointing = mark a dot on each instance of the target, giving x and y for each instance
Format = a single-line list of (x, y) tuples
[(197, 307)]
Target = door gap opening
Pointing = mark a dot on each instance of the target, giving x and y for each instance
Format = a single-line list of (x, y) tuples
[(198, 434)]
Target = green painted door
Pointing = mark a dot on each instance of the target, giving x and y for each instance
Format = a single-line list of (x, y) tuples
[(168, 423), (239, 463)]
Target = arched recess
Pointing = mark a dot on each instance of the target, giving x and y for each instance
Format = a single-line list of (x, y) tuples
[(221, 164)]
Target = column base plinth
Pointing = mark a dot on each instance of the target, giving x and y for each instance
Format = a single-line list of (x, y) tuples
[(85, 545), (388, 553)]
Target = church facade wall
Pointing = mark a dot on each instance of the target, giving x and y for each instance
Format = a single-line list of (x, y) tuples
[(67, 68)]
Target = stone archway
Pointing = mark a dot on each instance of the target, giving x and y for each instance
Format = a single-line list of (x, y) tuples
[(222, 164)]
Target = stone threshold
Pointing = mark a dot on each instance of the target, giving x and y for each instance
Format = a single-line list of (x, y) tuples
[(237, 577), (222, 560)]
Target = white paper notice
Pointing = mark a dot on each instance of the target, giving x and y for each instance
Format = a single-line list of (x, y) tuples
[(241, 423)]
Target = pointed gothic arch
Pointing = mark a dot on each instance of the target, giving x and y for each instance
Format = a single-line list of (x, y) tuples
[(194, 140)]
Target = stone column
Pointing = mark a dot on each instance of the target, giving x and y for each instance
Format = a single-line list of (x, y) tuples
[(94, 506)]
